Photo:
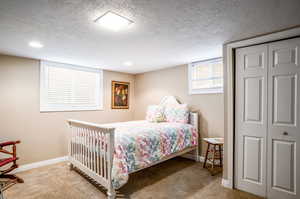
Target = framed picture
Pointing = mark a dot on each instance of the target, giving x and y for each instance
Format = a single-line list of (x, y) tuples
[(120, 95)]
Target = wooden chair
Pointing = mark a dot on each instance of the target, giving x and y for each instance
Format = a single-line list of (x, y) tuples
[(7, 179)]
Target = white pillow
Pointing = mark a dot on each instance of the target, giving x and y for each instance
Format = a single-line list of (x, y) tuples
[(177, 113), (155, 113)]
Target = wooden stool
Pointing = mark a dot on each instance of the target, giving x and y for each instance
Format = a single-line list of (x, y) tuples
[(214, 149)]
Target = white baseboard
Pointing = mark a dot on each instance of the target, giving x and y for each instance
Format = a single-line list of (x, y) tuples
[(26, 167), (226, 183), (192, 157), (200, 158)]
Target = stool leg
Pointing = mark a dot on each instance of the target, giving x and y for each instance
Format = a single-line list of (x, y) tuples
[(213, 160), (206, 155), (221, 158), (214, 156)]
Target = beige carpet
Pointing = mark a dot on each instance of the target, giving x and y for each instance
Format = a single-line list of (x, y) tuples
[(176, 178)]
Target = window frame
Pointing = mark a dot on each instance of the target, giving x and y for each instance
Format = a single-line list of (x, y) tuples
[(214, 90), (45, 107)]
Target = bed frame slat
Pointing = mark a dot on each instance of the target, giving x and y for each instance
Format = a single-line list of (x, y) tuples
[(91, 150)]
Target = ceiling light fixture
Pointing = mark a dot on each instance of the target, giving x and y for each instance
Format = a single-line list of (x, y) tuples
[(113, 21), (35, 44), (128, 63)]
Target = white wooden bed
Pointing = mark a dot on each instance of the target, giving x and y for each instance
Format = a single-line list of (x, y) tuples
[(97, 164)]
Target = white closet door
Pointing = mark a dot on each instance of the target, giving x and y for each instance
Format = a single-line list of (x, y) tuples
[(251, 119), (283, 123)]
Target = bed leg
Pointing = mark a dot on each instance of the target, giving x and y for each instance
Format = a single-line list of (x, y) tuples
[(71, 167), (197, 154), (111, 194)]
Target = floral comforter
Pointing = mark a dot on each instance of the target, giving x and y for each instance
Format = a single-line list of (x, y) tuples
[(141, 143)]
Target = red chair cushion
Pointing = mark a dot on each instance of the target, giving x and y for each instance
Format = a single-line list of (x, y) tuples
[(6, 161)]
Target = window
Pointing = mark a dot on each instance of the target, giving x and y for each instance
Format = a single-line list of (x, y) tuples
[(206, 76), (66, 87)]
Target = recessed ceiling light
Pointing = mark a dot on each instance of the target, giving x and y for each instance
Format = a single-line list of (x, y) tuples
[(128, 63), (113, 21), (35, 44)]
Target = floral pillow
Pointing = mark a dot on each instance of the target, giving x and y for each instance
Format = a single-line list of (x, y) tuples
[(177, 113), (155, 113)]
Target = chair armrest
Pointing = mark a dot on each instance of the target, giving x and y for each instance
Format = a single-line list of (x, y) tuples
[(3, 144)]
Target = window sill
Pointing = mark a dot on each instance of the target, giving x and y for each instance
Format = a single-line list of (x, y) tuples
[(206, 91), (50, 110)]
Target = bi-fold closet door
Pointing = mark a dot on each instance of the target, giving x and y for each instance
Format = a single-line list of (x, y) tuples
[(267, 119)]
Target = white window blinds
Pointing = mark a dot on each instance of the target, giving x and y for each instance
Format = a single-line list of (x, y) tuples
[(206, 76), (66, 87)]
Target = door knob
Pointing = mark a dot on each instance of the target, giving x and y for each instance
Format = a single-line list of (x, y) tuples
[(285, 133)]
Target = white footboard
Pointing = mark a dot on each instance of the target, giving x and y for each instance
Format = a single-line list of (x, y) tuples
[(91, 149)]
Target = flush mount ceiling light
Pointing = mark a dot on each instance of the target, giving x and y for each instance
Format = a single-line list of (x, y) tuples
[(35, 44), (113, 21), (128, 63)]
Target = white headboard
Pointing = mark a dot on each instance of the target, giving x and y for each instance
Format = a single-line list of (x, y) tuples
[(168, 100), (171, 100)]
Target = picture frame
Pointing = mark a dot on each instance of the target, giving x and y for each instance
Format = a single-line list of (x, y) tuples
[(120, 93)]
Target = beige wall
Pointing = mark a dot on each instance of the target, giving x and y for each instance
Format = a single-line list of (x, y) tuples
[(44, 135), (150, 87)]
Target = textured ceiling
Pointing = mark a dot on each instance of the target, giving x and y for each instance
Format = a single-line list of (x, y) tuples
[(165, 33)]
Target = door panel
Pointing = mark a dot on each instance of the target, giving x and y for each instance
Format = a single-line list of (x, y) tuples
[(253, 99), (284, 99), (251, 119), (286, 56), (252, 159), (283, 125), (254, 60), (284, 160)]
